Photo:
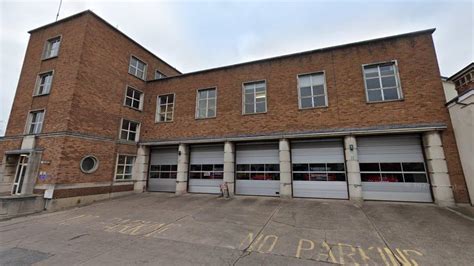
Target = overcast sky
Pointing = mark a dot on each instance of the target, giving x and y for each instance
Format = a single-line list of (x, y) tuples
[(194, 35)]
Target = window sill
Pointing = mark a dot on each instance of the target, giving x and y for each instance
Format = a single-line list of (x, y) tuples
[(133, 108), (312, 108), (40, 95), (136, 77), (387, 101), (205, 118), (261, 113), (129, 142), (48, 58), (163, 122)]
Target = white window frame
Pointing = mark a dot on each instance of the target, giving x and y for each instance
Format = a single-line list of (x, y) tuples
[(207, 103), (326, 99), (93, 168), (137, 133), (255, 100), (124, 165), (397, 81), (29, 118), (136, 67), (142, 95), (160, 73), (38, 82), (47, 46), (158, 103)]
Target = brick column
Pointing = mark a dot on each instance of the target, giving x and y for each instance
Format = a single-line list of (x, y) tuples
[(183, 164), (140, 168), (353, 171), (229, 166), (285, 169), (438, 169)]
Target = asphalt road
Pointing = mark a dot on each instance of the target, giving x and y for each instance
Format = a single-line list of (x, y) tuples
[(159, 228)]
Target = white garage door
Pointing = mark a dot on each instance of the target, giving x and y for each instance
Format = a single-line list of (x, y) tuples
[(206, 170), (393, 168), (319, 169), (163, 169), (258, 169)]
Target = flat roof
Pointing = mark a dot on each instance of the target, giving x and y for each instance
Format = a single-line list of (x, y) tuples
[(462, 71), (88, 11)]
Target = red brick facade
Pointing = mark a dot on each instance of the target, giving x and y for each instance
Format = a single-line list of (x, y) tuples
[(85, 106)]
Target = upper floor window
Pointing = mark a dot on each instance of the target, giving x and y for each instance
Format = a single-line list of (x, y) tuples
[(134, 98), (35, 122), (43, 83), (124, 167), (137, 67), (129, 130), (51, 48), (312, 90), (255, 97), (165, 108), (382, 83), (159, 75), (206, 103)]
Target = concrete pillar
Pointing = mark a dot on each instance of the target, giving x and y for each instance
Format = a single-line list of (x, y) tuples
[(229, 166), (285, 169), (183, 165), (353, 171), (438, 169), (140, 169)]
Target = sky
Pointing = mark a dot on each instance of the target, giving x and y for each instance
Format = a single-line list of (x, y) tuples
[(195, 35)]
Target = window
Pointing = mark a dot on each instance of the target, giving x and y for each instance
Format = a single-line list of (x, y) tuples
[(393, 172), (159, 75), (137, 68), (164, 171), (381, 82), (258, 171), (206, 171), (165, 108), (89, 164), (124, 167), (255, 97), (43, 84), (206, 103), (129, 130), (35, 122), (312, 90), (319, 172), (134, 98), (51, 48)]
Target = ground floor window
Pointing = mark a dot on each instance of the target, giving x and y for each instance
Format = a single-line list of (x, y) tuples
[(319, 172), (165, 171), (124, 167), (393, 172), (258, 171), (206, 171)]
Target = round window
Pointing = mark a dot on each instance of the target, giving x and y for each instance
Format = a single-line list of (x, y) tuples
[(89, 164)]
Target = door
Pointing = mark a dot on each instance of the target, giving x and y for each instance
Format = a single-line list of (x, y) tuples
[(163, 169), (20, 174), (393, 168), (206, 171), (258, 169), (319, 169)]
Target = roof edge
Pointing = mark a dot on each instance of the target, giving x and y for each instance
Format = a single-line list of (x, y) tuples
[(460, 72), (88, 11)]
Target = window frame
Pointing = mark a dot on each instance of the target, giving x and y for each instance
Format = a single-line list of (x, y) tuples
[(161, 73), (397, 80), (96, 166), (196, 116), (28, 121), (326, 98), (201, 172), (402, 172), (255, 103), (124, 165), (137, 133), (325, 172), (145, 69), (46, 45), (38, 79), (142, 97), (157, 112)]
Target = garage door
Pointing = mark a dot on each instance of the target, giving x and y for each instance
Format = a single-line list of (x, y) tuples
[(163, 169), (318, 169), (393, 168), (206, 170), (258, 169)]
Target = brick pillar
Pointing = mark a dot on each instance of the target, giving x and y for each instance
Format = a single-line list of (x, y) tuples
[(353, 171), (140, 168), (285, 169), (183, 164), (229, 166), (438, 169)]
